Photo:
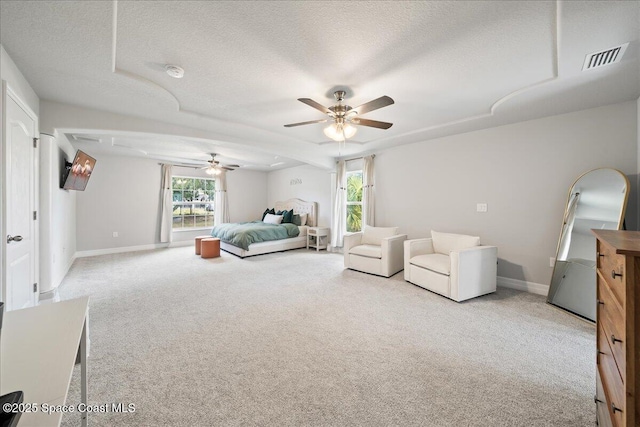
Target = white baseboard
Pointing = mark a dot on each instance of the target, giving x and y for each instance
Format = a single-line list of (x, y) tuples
[(66, 270), (110, 251), (521, 285)]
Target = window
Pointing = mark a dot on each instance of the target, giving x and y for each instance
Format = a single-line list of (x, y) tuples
[(354, 201), (192, 202)]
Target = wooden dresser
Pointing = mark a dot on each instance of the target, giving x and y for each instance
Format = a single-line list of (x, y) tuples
[(617, 328)]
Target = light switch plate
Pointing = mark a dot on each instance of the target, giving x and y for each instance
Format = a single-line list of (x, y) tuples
[(481, 207)]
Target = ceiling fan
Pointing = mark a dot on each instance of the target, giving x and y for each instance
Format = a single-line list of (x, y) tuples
[(343, 117), (216, 168)]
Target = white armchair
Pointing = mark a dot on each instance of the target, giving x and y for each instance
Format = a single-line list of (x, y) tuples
[(453, 265), (376, 250)]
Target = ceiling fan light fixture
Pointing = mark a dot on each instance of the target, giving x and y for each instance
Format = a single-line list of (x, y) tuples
[(213, 170), (335, 131)]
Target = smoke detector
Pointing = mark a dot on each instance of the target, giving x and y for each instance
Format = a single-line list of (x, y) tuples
[(174, 71), (604, 57)]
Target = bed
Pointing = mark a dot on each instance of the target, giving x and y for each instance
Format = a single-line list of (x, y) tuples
[(299, 207)]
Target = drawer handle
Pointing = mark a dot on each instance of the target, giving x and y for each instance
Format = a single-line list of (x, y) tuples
[(600, 302), (600, 255), (614, 274), (614, 339), (614, 408), (596, 400)]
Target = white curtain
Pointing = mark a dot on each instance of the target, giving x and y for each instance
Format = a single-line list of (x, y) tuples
[(221, 210), (166, 208), (368, 192), (338, 225)]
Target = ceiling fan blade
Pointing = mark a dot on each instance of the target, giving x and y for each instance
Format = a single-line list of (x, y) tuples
[(316, 105), (231, 166), (226, 168), (383, 101), (371, 123), (306, 123)]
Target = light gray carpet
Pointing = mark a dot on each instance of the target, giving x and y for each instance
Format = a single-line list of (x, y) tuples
[(292, 339)]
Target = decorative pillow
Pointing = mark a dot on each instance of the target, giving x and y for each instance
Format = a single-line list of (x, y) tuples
[(287, 216), (374, 235), (268, 211), (296, 220), (272, 219), (303, 219), (444, 243)]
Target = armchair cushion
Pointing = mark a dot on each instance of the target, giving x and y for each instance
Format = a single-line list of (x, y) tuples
[(435, 262), (374, 235), (444, 243), (369, 251)]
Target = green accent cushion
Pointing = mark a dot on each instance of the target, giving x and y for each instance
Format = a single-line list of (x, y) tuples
[(287, 216), (296, 220)]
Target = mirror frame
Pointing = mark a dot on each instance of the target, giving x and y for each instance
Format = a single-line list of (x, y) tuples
[(564, 216)]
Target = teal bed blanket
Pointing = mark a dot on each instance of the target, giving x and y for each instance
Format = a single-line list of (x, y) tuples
[(243, 234)]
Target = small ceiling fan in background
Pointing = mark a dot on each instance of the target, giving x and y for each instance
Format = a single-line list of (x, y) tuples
[(343, 117), (216, 168)]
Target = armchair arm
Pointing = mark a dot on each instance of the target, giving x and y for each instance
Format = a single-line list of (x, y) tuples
[(413, 248), (350, 240), (392, 250), (474, 271)]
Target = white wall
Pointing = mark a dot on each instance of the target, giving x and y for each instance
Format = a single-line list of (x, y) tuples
[(123, 195), (14, 78), (303, 182), (57, 212), (523, 171)]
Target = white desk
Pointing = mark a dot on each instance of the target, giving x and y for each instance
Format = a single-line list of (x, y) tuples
[(38, 352)]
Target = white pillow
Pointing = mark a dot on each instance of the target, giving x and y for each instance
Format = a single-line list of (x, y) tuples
[(374, 235), (272, 219), (444, 243), (303, 219)]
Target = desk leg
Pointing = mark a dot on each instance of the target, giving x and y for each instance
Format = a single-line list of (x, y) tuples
[(83, 371)]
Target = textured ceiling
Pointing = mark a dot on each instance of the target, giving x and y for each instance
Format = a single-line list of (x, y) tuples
[(450, 66)]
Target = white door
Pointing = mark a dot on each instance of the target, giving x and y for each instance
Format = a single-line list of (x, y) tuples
[(20, 205)]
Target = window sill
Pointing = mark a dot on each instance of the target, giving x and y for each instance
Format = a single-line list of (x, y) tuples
[(184, 230)]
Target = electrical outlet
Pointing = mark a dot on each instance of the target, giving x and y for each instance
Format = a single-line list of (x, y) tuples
[(552, 261), (481, 207), (115, 234)]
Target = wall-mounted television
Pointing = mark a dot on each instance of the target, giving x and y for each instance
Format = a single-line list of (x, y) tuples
[(78, 172)]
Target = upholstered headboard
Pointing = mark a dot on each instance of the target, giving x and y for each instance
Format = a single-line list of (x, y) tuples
[(300, 207)]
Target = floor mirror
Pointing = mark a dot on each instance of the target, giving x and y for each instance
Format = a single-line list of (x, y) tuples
[(597, 200)]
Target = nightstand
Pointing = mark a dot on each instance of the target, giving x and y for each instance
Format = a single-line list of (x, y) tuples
[(317, 237)]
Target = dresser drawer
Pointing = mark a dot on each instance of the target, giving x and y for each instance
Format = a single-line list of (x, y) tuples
[(609, 263), (602, 409), (611, 381), (611, 320)]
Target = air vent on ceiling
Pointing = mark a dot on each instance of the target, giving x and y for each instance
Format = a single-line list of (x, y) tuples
[(604, 57), (86, 138)]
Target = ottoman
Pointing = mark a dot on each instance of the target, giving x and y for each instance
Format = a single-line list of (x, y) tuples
[(210, 247), (198, 242)]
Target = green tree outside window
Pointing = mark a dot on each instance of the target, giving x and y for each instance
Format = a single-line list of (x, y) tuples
[(354, 201)]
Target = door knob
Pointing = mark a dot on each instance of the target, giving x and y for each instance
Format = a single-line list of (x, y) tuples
[(13, 238)]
